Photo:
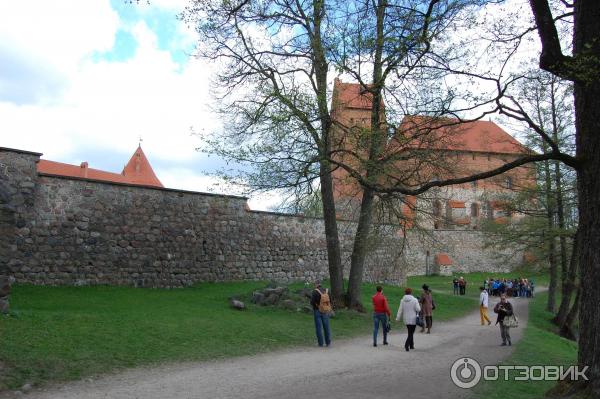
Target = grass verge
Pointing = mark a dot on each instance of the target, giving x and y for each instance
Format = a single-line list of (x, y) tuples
[(66, 333), (540, 345)]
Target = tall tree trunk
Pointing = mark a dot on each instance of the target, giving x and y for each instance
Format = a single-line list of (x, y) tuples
[(588, 149), (360, 249), (560, 213), (336, 272), (583, 70), (587, 116), (334, 258), (568, 285), (566, 329), (551, 305), (365, 219)]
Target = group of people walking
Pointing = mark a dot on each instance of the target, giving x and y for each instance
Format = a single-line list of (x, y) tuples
[(413, 311), (518, 287)]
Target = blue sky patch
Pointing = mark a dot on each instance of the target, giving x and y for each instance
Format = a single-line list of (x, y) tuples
[(123, 49), (163, 23)]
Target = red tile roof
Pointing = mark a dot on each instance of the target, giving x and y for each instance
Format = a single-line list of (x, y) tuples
[(442, 259), (64, 169), (451, 134), (442, 133), (137, 171)]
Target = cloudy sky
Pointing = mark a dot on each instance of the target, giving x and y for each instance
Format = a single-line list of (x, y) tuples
[(84, 80)]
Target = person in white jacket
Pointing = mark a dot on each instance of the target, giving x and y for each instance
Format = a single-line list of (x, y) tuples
[(483, 306), (408, 310)]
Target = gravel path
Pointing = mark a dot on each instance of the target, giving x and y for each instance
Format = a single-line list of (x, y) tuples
[(349, 369)]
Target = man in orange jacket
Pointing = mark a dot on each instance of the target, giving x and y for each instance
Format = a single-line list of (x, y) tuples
[(381, 314)]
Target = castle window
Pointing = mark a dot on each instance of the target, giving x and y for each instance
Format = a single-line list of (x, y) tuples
[(474, 184), (437, 208), (509, 183), (437, 213), (473, 156), (475, 210), (489, 210)]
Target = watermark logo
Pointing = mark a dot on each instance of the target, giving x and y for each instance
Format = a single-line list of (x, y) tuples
[(467, 372)]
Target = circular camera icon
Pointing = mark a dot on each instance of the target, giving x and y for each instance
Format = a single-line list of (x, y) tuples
[(465, 372)]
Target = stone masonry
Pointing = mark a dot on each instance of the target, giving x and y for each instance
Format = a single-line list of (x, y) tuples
[(61, 230), (57, 230)]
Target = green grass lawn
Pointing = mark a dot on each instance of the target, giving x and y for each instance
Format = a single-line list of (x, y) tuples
[(540, 345), (64, 333)]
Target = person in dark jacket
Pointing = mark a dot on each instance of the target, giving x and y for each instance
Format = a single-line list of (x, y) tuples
[(321, 319), (503, 309), (426, 302), (462, 285), (381, 314)]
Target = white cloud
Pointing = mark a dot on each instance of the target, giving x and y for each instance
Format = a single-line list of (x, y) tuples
[(186, 179), (111, 104), (58, 32), (104, 105)]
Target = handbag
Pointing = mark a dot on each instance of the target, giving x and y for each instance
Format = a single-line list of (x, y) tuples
[(511, 321), (387, 326), (432, 305), (420, 321)]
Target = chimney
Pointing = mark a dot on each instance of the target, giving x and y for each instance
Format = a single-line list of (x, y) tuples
[(84, 166)]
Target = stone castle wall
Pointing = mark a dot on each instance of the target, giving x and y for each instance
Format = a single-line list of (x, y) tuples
[(57, 230), (465, 249)]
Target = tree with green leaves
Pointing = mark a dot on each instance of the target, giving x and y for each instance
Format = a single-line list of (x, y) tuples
[(272, 80)]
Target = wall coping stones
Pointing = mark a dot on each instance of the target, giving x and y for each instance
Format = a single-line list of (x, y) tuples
[(39, 154), (172, 190)]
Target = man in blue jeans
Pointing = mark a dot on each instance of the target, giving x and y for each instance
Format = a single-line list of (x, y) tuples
[(321, 318)]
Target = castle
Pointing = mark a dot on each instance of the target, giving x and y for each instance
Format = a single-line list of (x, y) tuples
[(431, 148), (72, 224)]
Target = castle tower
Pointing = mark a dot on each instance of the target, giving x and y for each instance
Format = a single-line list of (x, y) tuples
[(139, 171)]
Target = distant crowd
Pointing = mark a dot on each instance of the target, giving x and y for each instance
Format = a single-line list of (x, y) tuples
[(517, 287)]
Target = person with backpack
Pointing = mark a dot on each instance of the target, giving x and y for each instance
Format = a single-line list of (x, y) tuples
[(321, 304), (408, 310), (381, 314)]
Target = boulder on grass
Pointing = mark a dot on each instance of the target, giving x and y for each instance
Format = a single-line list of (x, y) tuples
[(237, 304), (270, 300), (289, 304), (258, 298), (5, 287)]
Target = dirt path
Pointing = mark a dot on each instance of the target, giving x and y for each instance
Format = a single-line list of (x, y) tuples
[(349, 369)]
